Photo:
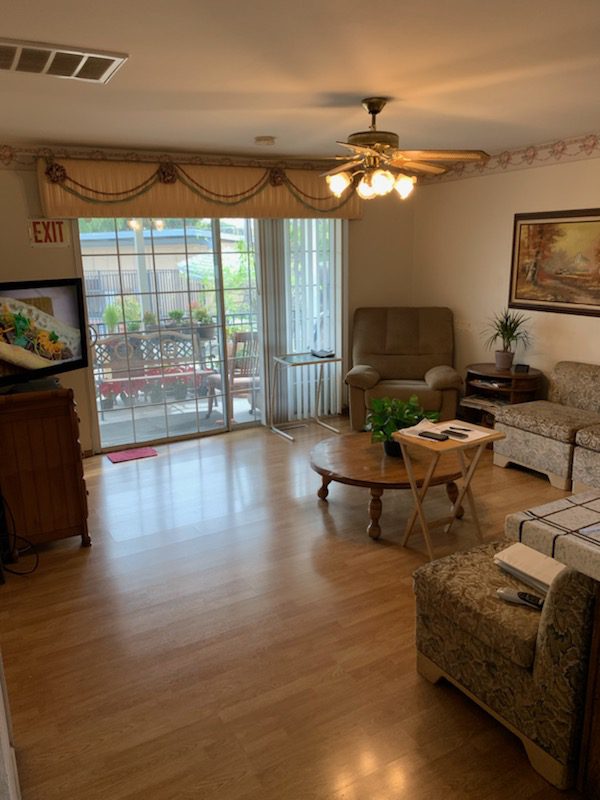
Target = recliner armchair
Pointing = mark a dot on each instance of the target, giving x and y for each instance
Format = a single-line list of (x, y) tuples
[(398, 352)]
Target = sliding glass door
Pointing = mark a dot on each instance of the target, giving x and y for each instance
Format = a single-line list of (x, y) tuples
[(173, 306), (179, 308)]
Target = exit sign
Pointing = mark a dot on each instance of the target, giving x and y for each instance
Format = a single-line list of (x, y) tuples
[(49, 233)]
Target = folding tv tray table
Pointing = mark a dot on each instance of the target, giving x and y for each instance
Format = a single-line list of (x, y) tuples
[(478, 439), (299, 360)]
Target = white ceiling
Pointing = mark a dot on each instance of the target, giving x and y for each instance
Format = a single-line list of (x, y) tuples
[(209, 77)]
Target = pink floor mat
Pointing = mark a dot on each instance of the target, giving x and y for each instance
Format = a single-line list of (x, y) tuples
[(131, 455)]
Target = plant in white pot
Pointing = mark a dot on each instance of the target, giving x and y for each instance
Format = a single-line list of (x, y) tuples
[(507, 327)]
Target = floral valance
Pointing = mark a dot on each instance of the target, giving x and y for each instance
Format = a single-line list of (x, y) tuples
[(89, 188)]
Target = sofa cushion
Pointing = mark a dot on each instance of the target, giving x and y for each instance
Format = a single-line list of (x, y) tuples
[(575, 384), (403, 342), (463, 586), (589, 437), (547, 419), (430, 399)]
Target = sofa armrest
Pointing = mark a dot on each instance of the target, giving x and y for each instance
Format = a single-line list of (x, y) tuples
[(363, 377), (443, 377), (564, 635)]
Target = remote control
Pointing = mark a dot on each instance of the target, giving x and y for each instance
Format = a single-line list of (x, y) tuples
[(453, 433), (437, 437), (520, 598)]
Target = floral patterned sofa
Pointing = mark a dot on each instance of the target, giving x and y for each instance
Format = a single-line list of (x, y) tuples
[(542, 434), (526, 668), (586, 459)]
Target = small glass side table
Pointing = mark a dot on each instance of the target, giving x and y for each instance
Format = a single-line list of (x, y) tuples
[(299, 360)]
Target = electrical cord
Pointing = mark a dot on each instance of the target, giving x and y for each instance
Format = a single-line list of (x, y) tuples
[(29, 546)]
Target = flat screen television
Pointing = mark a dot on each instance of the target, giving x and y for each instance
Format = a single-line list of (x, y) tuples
[(42, 329)]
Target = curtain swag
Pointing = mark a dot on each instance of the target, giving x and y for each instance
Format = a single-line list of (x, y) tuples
[(80, 188)]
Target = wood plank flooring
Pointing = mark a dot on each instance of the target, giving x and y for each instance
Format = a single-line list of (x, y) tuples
[(230, 637)]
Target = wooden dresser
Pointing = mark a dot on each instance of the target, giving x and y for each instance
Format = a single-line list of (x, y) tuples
[(41, 467)]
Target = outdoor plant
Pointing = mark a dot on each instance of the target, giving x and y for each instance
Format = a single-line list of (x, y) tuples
[(508, 328), (176, 315), (202, 315), (149, 319), (112, 316), (132, 313), (389, 414)]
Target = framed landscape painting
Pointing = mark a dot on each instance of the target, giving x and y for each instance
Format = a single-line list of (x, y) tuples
[(556, 262)]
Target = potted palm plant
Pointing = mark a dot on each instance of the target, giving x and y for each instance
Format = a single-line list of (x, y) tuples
[(388, 415), (508, 328)]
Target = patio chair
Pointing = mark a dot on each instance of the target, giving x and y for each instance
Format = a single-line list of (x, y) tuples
[(243, 369)]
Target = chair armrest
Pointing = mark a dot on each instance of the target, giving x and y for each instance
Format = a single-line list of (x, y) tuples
[(363, 377), (564, 634), (443, 377)]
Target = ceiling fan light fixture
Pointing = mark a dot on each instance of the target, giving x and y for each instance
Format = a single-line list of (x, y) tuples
[(377, 157), (404, 185), (382, 181), (338, 183)]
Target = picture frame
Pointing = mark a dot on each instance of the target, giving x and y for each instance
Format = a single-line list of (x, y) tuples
[(555, 263)]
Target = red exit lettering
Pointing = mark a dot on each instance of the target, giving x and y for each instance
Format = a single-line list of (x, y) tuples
[(48, 232)]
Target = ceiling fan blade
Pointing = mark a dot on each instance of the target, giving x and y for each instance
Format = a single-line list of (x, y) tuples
[(444, 155), (341, 168), (420, 166), (360, 149)]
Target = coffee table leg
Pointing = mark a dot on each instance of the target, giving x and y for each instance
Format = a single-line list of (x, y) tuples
[(452, 492), (374, 530), (324, 491)]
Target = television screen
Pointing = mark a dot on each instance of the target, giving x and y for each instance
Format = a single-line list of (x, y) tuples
[(42, 329)]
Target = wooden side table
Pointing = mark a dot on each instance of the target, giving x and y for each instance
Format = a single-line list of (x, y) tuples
[(487, 388), (478, 440)]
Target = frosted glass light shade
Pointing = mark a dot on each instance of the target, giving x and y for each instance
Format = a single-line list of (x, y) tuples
[(338, 183), (365, 190), (382, 181), (404, 185)]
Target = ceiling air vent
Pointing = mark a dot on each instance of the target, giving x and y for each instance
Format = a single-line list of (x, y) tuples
[(60, 61)]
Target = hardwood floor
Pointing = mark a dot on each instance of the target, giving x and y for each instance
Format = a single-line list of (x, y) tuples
[(228, 636)]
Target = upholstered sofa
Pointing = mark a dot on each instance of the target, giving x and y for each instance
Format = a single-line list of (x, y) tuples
[(398, 352), (526, 668), (586, 459), (542, 434)]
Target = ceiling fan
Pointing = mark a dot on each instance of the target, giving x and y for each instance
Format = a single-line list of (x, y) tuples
[(378, 166)]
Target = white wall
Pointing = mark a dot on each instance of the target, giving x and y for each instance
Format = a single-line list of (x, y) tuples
[(462, 253), (380, 254), (20, 261)]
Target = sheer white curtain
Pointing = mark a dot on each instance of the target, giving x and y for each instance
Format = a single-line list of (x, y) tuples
[(302, 268)]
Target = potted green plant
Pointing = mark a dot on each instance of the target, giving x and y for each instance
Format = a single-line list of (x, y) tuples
[(150, 320), (509, 328), (133, 314), (112, 316), (204, 324), (388, 415), (176, 316)]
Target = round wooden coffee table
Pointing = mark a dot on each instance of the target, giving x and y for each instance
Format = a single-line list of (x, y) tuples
[(354, 460)]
